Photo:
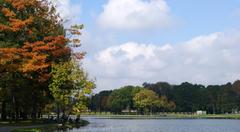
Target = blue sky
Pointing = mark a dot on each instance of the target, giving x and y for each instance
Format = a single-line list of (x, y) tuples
[(133, 41), (194, 18)]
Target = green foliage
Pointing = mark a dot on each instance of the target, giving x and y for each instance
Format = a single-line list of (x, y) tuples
[(122, 98), (69, 87), (186, 97), (98, 102), (146, 100)]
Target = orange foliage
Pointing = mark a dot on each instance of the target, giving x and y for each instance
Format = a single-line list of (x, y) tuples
[(17, 24), (21, 4), (5, 28), (35, 56), (9, 55), (8, 13), (14, 23)]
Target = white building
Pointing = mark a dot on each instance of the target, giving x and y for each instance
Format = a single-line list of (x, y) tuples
[(200, 112)]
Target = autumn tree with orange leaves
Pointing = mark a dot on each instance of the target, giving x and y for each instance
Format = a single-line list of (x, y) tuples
[(32, 40)]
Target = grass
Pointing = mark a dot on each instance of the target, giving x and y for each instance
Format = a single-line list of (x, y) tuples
[(51, 128), (28, 130), (39, 126), (208, 116), (21, 123), (47, 128)]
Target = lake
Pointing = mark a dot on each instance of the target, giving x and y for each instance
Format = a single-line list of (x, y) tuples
[(159, 125)]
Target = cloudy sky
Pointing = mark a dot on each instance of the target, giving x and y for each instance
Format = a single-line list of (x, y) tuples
[(134, 41)]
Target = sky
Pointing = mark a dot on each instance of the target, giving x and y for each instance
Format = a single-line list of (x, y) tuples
[(129, 42)]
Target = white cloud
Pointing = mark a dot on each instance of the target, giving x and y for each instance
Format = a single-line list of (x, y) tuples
[(135, 14), (209, 59), (68, 10)]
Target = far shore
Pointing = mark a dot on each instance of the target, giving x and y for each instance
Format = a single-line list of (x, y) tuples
[(165, 116)]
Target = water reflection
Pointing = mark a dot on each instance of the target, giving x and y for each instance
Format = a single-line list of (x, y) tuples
[(163, 125)]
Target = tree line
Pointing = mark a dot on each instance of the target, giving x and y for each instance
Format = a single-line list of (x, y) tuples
[(164, 97), (40, 72)]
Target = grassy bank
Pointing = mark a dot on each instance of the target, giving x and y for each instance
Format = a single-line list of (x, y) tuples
[(38, 126), (21, 123), (49, 128)]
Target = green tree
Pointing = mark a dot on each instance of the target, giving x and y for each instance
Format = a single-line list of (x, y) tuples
[(98, 102), (69, 87), (122, 98), (165, 105), (146, 100)]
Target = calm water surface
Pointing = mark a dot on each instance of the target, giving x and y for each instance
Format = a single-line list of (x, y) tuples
[(160, 125)]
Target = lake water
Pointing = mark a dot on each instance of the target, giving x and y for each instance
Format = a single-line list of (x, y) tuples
[(160, 125)]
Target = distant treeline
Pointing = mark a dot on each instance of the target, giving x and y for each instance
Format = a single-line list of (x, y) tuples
[(164, 97)]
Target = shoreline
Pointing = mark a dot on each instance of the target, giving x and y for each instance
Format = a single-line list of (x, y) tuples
[(221, 116), (41, 127)]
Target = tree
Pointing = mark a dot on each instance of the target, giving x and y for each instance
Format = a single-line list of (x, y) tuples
[(98, 102), (188, 97), (33, 43), (145, 100), (236, 87), (69, 87), (161, 88), (32, 39), (122, 98), (148, 101), (165, 105)]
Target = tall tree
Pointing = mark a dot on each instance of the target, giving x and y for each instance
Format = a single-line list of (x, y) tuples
[(32, 41)]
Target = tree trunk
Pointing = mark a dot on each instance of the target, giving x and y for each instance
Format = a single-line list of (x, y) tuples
[(34, 109), (4, 116), (214, 109), (16, 113), (58, 113), (39, 113), (34, 117)]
